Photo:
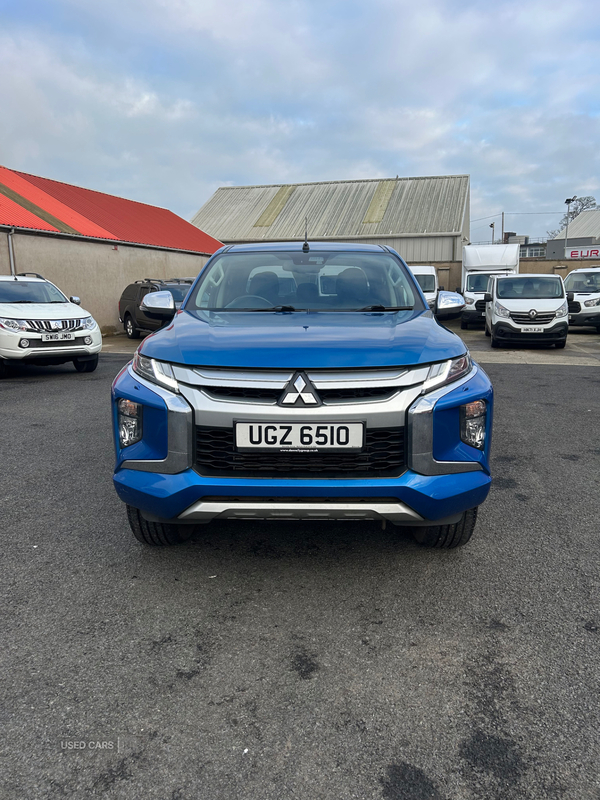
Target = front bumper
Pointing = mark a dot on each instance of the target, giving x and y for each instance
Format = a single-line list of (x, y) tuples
[(472, 315), (443, 476), (510, 332), (54, 352), (590, 316)]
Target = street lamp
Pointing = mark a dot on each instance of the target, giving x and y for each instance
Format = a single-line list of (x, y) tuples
[(493, 227), (568, 201)]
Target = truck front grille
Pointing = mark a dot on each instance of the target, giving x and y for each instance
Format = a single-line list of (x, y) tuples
[(574, 307), (543, 318), (480, 305), (381, 457), (46, 326), (332, 395)]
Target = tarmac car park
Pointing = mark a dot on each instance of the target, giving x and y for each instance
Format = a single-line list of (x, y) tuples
[(39, 325)]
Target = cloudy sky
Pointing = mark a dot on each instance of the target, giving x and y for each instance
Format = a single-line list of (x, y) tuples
[(163, 101)]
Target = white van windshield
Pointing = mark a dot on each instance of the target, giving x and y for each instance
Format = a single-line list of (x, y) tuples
[(296, 281), (583, 282), (531, 288), (477, 282), (426, 282)]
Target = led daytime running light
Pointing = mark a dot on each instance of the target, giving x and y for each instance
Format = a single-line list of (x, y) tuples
[(159, 372)]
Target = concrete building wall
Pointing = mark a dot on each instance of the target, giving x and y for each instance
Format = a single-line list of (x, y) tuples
[(94, 271)]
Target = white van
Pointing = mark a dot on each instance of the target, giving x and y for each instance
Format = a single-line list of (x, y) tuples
[(526, 308), (426, 277), (584, 308)]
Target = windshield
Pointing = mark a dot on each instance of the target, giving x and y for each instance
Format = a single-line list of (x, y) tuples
[(426, 282), (477, 282), (532, 288), (178, 291), (295, 281), (583, 282), (30, 292)]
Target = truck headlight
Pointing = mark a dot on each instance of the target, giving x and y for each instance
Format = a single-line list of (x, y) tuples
[(155, 371), (130, 422), (591, 303), (563, 310), (500, 310), (469, 300), (89, 323), (472, 423), (447, 372), (13, 324)]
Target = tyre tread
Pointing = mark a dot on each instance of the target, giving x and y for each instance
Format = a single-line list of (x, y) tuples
[(448, 536), (157, 534)]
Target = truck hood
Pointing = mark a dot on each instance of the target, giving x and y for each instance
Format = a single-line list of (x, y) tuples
[(42, 311), (302, 340)]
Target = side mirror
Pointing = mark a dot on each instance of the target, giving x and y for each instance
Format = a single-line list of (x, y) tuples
[(487, 297), (76, 300), (457, 290), (570, 297), (449, 305), (441, 288), (158, 305)]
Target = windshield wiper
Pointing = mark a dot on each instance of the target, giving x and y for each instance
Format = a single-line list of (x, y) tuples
[(278, 308), (385, 308)]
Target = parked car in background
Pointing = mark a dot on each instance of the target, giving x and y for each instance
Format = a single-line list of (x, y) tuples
[(346, 400), (525, 309), (426, 277), (134, 319), (40, 325), (479, 263), (584, 308)]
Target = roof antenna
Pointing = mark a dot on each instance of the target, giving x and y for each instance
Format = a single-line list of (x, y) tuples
[(305, 247)]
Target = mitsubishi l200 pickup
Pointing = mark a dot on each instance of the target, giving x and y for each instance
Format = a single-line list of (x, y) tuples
[(302, 382)]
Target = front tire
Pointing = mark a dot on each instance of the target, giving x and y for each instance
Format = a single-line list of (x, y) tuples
[(131, 331), (86, 366), (494, 341), (487, 330), (560, 345), (157, 534), (464, 326), (448, 536)]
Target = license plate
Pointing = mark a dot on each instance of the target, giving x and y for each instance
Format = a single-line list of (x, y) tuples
[(299, 436), (532, 330), (570, 318), (56, 337), (483, 313)]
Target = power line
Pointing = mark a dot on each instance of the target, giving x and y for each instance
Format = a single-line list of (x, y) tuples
[(521, 213)]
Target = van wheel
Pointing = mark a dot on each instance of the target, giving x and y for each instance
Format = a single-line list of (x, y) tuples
[(487, 330), (157, 534), (130, 329), (560, 345), (494, 341), (464, 326), (448, 536), (86, 366)]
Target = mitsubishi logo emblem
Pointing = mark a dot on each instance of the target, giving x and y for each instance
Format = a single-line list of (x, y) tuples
[(300, 391), (56, 324), (533, 313)]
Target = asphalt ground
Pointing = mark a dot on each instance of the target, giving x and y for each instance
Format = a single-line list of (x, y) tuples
[(292, 660)]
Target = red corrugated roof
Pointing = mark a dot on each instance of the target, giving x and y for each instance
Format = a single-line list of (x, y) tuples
[(92, 213), (13, 214)]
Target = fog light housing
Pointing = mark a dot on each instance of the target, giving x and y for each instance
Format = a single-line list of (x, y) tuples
[(130, 422), (88, 340), (473, 418), (24, 343)]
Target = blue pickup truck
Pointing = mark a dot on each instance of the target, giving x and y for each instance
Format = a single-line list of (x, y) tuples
[(302, 381)]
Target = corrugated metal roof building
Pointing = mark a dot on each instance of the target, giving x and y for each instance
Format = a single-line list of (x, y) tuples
[(424, 219), (93, 244), (584, 232)]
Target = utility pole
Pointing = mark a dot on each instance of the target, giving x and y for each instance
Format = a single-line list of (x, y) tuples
[(503, 227), (568, 201)]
